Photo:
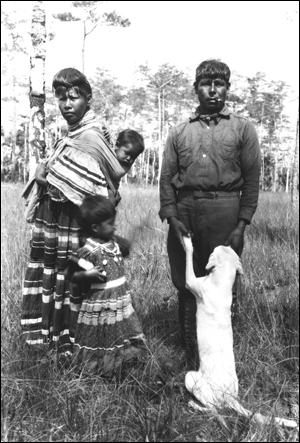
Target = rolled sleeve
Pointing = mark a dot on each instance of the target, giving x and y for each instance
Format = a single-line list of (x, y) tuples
[(250, 168), (168, 206)]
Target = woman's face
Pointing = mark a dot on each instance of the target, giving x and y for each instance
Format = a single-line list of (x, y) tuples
[(72, 104)]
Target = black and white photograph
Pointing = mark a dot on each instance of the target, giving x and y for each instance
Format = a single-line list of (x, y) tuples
[(149, 221)]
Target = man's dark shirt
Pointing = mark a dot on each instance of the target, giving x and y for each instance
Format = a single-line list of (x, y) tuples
[(220, 154)]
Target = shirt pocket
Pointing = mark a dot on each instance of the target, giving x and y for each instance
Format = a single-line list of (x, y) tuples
[(184, 155), (229, 144)]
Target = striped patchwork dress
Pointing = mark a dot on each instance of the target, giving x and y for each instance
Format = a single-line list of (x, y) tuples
[(73, 174), (108, 331)]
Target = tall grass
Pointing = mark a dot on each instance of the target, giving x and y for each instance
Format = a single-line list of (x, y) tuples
[(43, 403)]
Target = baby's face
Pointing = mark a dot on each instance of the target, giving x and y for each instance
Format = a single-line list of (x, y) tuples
[(127, 154)]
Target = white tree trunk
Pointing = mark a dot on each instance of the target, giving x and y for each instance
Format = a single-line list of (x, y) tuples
[(295, 165), (37, 86), (153, 167), (147, 166), (142, 167), (83, 45), (287, 179), (14, 132), (159, 139)]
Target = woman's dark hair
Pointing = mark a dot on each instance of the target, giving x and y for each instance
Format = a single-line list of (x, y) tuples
[(94, 209), (212, 69), (133, 137), (71, 77)]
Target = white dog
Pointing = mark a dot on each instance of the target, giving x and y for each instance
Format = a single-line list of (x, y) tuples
[(215, 385)]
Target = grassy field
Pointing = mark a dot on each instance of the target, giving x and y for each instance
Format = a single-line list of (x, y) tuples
[(43, 403)]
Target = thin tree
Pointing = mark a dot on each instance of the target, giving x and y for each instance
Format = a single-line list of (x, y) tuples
[(91, 18), (295, 166), (37, 93)]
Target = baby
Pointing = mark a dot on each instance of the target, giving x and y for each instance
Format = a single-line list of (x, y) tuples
[(129, 145)]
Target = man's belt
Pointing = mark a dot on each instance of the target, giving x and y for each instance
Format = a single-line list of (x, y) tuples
[(208, 194)]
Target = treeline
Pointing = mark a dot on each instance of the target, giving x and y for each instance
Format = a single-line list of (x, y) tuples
[(157, 101), (160, 100)]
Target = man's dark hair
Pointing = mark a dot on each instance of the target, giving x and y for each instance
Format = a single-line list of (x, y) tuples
[(70, 77), (94, 209), (212, 69), (133, 137)]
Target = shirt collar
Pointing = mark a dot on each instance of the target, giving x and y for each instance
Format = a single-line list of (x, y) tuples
[(224, 113)]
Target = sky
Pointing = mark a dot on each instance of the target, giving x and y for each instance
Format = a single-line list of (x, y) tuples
[(249, 36)]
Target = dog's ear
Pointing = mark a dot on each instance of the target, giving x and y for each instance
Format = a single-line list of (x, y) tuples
[(211, 263), (239, 268)]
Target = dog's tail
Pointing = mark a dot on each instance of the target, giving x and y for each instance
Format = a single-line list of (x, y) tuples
[(259, 418)]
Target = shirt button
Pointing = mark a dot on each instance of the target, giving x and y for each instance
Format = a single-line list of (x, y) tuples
[(204, 155)]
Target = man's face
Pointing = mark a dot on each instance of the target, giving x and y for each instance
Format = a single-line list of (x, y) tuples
[(211, 94)]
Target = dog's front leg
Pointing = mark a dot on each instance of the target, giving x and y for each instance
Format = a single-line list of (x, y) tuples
[(191, 281)]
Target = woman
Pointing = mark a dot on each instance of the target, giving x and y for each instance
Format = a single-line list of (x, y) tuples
[(74, 170)]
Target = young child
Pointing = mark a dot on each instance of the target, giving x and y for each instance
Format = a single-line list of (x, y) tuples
[(107, 331)]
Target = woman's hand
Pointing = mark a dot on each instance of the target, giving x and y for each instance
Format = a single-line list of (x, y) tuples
[(40, 174)]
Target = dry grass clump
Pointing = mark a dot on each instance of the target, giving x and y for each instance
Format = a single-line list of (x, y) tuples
[(41, 402)]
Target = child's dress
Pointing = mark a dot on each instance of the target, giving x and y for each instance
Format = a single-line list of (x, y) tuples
[(108, 331)]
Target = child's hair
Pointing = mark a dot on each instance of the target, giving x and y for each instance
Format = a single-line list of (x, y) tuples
[(70, 77), (133, 137), (94, 209), (213, 69)]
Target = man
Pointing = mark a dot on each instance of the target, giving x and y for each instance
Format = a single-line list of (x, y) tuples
[(209, 184)]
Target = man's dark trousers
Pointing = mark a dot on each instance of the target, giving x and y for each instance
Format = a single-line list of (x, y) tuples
[(210, 217)]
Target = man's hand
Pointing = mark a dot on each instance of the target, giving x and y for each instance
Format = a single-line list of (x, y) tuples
[(179, 229), (236, 237)]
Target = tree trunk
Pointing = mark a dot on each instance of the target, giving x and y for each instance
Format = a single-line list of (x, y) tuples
[(147, 166), (83, 45), (262, 175), (153, 167), (37, 94), (287, 178), (14, 132), (159, 139), (295, 165), (25, 153), (275, 171), (142, 167)]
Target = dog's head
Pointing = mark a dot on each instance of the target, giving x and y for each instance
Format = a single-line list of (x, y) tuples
[(222, 253)]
